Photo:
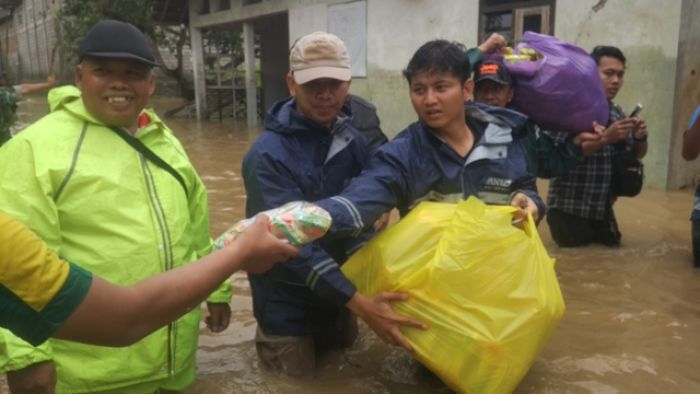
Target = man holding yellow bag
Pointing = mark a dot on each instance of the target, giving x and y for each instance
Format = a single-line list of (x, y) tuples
[(454, 151)]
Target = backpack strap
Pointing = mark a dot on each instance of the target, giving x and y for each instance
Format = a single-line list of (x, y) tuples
[(149, 155)]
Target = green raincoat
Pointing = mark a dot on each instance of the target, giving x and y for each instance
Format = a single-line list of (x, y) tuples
[(97, 202)]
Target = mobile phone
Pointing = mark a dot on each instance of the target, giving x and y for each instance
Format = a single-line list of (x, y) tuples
[(637, 109)]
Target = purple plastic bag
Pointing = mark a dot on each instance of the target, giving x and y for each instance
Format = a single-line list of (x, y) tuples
[(562, 91)]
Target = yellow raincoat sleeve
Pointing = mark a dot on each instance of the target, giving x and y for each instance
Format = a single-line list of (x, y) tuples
[(199, 217), (25, 195)]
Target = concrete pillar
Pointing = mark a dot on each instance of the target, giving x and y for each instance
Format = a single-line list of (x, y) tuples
[(274, 59), (251, 90), (200, 88)]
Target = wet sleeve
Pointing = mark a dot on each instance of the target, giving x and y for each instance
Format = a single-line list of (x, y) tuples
[(39, 291), (199, 216), (199, 220), (383, 185), (26, 194), (269, 184)]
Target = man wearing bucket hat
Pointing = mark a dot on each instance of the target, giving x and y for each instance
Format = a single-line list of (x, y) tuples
[(308, 151), (105, 183)]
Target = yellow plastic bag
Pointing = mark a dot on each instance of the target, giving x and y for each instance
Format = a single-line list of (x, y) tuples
[(487, 290)]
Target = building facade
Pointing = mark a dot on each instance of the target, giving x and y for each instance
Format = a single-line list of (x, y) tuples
[(660, 43), (27, 41)]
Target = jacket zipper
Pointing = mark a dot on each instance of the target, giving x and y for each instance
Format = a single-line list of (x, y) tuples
[(166, 247)]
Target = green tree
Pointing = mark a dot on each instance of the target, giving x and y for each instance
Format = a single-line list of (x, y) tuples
[(75, 17)]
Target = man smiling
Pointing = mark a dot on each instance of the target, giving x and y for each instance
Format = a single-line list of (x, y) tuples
[(105, 183)]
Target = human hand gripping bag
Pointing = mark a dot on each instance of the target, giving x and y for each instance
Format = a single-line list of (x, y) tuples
[(560, 89), (487, 290)]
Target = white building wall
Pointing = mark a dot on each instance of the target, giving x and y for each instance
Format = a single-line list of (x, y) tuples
[(647, 31), (36, 37), (395, 29), (307, 19)]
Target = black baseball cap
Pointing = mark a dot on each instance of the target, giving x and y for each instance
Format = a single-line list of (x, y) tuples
[(117, 40), (494, 71)]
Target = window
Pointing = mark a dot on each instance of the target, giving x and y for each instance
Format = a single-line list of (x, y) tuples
[(511, 18), (249, 2), (203, 7)]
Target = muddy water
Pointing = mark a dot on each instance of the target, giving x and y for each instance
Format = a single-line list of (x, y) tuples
[(632, 323)]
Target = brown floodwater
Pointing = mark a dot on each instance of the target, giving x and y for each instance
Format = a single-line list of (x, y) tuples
[(632, 323)]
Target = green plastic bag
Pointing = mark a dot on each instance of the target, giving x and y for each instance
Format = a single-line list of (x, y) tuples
[(486, 289)]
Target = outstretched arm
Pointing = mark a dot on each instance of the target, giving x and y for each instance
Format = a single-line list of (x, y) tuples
[(26, 88), (119, 316), (113, 315)]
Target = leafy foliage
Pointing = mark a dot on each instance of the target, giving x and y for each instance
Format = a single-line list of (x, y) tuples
[(76, 17)]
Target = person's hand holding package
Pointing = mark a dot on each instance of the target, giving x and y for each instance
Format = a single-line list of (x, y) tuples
[(297, 222), (264, 249)]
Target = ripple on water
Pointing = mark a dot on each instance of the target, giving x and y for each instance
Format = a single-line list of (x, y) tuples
[(602, 364)]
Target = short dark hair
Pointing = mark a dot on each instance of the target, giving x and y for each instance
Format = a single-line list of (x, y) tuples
[(609, 51), (439, 56)]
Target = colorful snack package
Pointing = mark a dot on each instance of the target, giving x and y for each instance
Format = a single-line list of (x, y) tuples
[(300, 222)]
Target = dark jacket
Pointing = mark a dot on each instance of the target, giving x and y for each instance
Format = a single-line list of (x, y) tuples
[(364, 118), (297, 159), (418, 165), (549, 153)]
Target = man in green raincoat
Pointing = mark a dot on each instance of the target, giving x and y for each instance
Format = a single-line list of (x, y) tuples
[(106, 184)]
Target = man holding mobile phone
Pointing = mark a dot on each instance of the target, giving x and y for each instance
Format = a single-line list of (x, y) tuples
[(637, 109), (581, 202)]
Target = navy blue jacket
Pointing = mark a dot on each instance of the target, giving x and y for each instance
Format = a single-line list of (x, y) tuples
[(296, 159), (418, 165)]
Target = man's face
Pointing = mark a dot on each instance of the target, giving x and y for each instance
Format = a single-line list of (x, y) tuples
[(115, 91), (493, 93), (438, 98), (319, 100), (612, 75)]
